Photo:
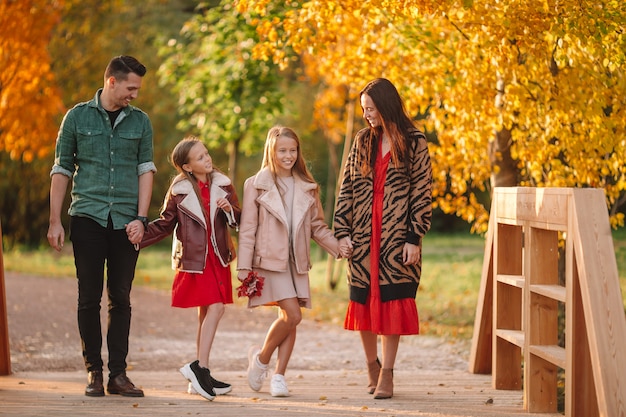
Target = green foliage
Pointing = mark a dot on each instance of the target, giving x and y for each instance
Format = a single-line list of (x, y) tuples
[(224, 96), (24, 199)]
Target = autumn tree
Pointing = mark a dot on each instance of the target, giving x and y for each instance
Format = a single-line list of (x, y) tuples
[(75, 45), (29, 99), (518, 93)]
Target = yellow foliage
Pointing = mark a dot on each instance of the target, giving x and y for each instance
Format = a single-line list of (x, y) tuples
[(29, 100), (550, 73)]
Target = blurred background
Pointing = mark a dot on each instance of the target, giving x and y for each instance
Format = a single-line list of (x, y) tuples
[(509, 93)]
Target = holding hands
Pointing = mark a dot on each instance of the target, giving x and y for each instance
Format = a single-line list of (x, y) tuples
[(345, 247), (135, 231)]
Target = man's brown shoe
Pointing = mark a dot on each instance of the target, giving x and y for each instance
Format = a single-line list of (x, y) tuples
[(95, 385), (121, 385)]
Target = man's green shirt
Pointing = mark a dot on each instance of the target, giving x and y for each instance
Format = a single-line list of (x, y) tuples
[(104, 162)]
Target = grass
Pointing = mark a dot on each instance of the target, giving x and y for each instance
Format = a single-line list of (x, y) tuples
[(446, 300)]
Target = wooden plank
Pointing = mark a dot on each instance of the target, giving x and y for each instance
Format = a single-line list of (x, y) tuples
[(547, 226), (556, 292), (543, 320), (508, 312), (543, 256), (324, 393), (580, 390), (553, 353), (507, 306), (510, 222), (601, 299), (507, 361), (5, 351), (541, 385), (507, 357), (539, 205), (508, 250), (515, 337), (517, 281), (481, 349)]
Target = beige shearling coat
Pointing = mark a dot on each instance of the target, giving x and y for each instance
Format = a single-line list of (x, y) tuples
[(263, 230)]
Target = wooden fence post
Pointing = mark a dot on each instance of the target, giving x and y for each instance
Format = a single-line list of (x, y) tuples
[(5, 351)]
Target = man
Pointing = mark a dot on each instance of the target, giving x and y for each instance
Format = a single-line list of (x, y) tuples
[(105, 147)]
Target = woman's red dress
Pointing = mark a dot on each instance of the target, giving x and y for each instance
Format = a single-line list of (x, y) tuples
[(394, 317), (214, 284)]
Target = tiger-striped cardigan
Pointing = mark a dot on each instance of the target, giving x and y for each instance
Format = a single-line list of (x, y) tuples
[(407, 207)]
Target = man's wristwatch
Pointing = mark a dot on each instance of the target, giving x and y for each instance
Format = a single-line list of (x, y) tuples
[(143, 220)]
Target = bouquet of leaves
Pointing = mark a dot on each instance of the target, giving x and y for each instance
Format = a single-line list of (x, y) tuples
[(251, 286)]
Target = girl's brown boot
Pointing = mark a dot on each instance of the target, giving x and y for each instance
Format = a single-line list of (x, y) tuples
[(373, 370), (384, 389)]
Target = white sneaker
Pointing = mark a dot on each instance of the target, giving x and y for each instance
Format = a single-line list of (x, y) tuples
[(278, 386), (191, 390), (257, 372)]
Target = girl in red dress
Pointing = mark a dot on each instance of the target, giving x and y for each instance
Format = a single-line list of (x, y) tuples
[(384, 206), (199, 206)]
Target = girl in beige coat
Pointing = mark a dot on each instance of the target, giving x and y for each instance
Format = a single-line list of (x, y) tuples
[(281, 213)]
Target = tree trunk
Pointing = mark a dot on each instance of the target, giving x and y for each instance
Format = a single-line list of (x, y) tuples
[(504, 172), (331, 184), (233, 151), (331, 276)]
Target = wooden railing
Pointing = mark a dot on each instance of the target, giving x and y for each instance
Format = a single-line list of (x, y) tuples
[(550, 251)]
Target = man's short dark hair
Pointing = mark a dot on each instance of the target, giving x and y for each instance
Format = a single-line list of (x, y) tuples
[(120, 66)]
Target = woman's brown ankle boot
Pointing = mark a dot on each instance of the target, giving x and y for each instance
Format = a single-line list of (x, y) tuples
[(373, 370), (384, 389)]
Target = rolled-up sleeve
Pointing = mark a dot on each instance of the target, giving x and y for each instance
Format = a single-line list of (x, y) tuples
[(146, 149), (65, 148), (146, 167)]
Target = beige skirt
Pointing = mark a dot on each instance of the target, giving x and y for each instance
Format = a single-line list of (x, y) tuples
[(282, 285)]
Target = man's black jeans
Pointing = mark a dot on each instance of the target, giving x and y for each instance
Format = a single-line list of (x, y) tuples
[(93, 246)]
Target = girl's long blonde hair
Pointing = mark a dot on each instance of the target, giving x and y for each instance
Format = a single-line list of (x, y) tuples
[(269, 154)]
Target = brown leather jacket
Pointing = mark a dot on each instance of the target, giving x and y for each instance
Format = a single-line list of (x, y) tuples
[(182, 213)]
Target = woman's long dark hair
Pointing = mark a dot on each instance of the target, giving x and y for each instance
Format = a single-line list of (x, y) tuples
[(394, 122)]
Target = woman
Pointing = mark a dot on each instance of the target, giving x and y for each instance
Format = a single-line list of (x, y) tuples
[(384, 207)]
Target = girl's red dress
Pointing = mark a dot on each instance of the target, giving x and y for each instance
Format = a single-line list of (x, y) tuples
[(214, 284), (394, 317)]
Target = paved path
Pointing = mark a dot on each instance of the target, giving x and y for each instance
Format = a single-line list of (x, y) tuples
[(326, 374)]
